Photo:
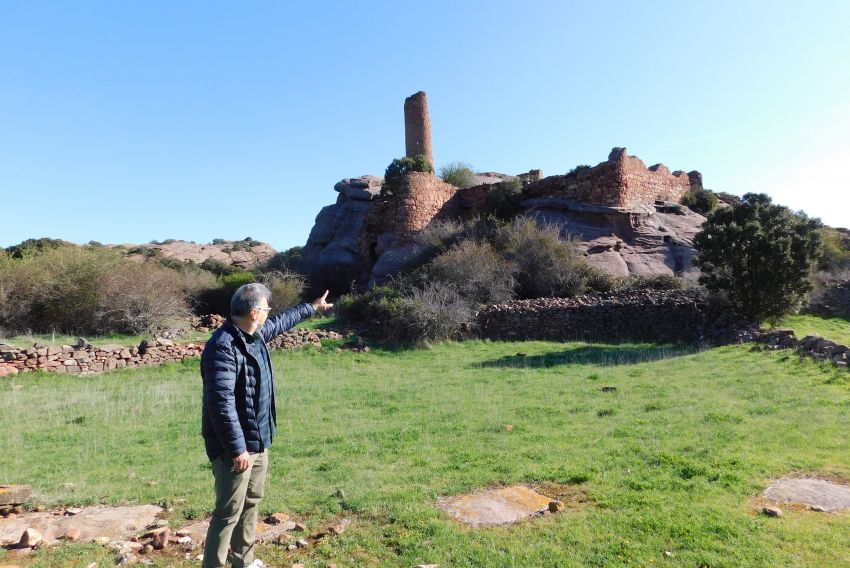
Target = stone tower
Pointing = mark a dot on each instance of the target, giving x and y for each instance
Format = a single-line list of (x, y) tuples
[(417, 127)]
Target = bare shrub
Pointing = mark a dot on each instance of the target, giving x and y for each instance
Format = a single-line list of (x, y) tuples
[(86, 290), (476, 271), (433, 313), (138, 298), (545, 265), (286, 287), (440, 234)]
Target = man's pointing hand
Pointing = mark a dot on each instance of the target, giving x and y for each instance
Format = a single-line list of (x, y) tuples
[(321, 305)]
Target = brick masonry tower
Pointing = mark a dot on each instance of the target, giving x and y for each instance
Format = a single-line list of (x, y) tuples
[(417, 127)]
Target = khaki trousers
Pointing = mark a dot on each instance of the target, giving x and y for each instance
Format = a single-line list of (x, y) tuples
[(237, 506)]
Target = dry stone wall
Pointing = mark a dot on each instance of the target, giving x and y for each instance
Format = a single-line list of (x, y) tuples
[(657, 315), (85, 360)]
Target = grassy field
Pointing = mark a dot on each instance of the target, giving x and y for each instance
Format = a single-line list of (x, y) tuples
[(670, 461), (835, 329)]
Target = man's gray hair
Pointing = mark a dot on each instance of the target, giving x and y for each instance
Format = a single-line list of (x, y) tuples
[(247, 297)]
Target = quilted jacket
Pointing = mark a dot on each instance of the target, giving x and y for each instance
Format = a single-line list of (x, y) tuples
[(231, 394)]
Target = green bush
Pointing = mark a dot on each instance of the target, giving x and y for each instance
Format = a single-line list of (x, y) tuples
[(380, 302), (504, 198), (836, 250), (577, 169), (89, 290), (458, 174), (36, 246), (398, 170), (545, 264), (702, 201), (286, 287), (216, 300), (476, 271), (218, 267), (760, 255), (287, 261)]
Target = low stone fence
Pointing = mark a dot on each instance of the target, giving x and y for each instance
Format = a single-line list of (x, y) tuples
[(657, 315), (88, 359)]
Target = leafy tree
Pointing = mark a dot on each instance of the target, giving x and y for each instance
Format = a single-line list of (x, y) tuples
[(398, 170), (760, 255)]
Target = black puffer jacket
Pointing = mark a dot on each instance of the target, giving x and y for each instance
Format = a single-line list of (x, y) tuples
[(230, 372)]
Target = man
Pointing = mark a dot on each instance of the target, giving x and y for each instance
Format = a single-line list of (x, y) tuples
[(238, 417)]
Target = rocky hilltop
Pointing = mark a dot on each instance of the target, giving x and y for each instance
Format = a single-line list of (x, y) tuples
[(364, 237), (245, 254)]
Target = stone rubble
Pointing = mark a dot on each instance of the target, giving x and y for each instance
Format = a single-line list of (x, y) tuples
[(812, 346)]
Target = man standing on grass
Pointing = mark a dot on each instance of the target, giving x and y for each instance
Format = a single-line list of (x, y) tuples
[(238, 417)]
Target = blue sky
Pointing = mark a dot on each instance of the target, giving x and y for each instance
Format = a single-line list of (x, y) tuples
[(140, 120)]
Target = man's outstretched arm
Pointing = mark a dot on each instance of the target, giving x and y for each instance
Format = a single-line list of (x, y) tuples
[(287, 319)]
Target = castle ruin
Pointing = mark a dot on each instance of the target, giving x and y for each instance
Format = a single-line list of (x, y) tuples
[(625, 214)]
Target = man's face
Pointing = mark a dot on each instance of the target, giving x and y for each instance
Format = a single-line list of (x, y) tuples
[(261, 314)]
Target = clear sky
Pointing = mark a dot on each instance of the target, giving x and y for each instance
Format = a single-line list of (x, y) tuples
[(127, 121)]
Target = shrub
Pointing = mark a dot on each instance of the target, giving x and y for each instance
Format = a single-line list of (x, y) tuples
[(440, 234), (545, 265), (760, 255), (504, 198), (435, 312), (836, 250), (577, 169), (286, 288), (86, 290), (476, 271), (702, 201), (216, 300), (218, 267), (36, 245), (287, 261), (458, 174), (380, 302), (398, 170), (139, 298)]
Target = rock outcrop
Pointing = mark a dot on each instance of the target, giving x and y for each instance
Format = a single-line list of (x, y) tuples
[(334, 255), (245, 254)]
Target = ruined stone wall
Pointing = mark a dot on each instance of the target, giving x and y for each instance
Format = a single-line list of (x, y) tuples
[(417, 127), (656, 315), (421, 199), (621, 181)]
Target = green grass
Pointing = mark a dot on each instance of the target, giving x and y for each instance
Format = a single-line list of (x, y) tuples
[(671, 459), (834, 329)]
